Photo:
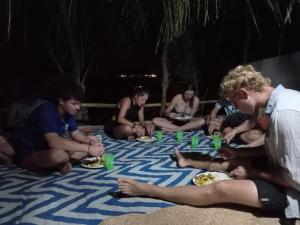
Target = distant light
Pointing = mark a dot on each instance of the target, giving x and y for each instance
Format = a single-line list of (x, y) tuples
[(150, 75)]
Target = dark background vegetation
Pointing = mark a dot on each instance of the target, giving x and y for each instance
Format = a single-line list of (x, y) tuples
[(51, 39)]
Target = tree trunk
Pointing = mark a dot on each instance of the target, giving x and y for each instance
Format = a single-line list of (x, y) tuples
[(164, 79)]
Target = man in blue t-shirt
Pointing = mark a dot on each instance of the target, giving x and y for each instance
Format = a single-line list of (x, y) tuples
[(42, 146)]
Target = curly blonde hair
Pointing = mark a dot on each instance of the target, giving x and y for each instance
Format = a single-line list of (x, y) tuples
[(243, 76)]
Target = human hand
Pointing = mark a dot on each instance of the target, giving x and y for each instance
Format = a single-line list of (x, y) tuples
[(93, 139), (139, 130), (211, 127), (150, 128), (228, 153), (172, 115), (96, 150), (229, 136), (240, 172)]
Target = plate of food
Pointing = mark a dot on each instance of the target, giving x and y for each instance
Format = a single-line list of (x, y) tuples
[(182, 117), (209, 177), (212, 137), (146, 139), (92, 163)]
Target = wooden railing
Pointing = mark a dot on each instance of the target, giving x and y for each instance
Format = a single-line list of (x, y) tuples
[(150, 105)]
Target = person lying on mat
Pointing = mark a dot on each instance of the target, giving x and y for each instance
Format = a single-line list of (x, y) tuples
[(179, 115), (274, 188), (128, 120), (42, 146), (6, 151)]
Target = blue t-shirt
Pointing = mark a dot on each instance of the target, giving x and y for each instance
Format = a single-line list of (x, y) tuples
[(228, 107), (44, 119)]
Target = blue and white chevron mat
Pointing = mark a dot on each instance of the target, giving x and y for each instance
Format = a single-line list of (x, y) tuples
[(82, 196)]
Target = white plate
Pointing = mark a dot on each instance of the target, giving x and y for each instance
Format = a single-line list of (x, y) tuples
[(212, 137), (183, 117), (87, 163), (146, 139), (217, 176)]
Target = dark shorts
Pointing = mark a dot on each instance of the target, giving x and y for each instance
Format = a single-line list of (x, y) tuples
[(273, 197), (109, 128), (234, 120)]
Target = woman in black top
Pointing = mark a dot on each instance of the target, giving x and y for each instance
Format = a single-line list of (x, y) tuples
[(128, 121)]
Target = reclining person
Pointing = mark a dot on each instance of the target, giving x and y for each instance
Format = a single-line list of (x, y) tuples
[(41, 145), (6, 151)]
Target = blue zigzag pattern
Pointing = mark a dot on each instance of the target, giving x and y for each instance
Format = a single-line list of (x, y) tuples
[(82, 196)]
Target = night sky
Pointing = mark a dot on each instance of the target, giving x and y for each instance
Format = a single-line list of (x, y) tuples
[(27, 58)]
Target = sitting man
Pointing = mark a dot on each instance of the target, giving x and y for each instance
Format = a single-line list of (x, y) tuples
[(41, 145), (273, 188)]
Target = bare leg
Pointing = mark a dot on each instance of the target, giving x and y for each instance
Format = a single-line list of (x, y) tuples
[(196, 123), (163, 123), (251, 135), (211, 165), (231, 191), (123, 132)]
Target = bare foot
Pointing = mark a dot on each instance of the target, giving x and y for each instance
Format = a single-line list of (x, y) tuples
[(66, 168), (133, 187), (182, 162)]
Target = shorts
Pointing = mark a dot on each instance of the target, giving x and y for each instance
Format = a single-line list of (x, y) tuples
[(28, 162), (109, 128), (273, 197)]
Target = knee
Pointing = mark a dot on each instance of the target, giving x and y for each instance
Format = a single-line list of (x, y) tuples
[(221, 190), (156, 121), (124, 132), (200, 122), (59, 156)]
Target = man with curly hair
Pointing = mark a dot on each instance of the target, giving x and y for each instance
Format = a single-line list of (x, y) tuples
[(275, 187)]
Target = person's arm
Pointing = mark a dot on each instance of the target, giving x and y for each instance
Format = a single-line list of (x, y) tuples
[(272, 176), (212, 115), (125, 105), (170, 107), (195, 106), (57, 142), (246, 125), (78, 136), (230, 153)]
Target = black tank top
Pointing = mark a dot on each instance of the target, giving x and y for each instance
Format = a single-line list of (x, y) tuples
[(132, 113)]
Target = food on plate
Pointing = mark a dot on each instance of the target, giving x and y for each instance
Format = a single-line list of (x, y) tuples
[(145, 139), (204, 179), (93, 163), (182, 117)]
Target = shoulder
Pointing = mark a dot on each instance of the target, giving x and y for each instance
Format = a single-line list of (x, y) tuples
[(126, 101), (46, 107), (177, 97), (288, 100), (196, 99)]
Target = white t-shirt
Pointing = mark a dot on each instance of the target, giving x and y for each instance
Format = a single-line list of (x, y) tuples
[(283, 141)]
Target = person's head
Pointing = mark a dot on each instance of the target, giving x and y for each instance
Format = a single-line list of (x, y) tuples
[(188, 92), (140, 95), (243, 86), (69, 95)]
